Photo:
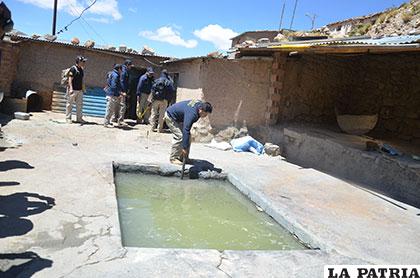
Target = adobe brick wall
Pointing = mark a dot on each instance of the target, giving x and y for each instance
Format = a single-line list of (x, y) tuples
[(8, 65), (237, 89), (189, 82), (40, 65), (314, 85)]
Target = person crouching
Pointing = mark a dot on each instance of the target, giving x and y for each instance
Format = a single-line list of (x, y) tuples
[(113, 94), (180, 118)]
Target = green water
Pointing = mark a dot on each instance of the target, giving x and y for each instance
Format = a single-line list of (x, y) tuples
[(166, 212)]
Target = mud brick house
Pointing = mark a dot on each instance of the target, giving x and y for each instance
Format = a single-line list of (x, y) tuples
[(36, 64)]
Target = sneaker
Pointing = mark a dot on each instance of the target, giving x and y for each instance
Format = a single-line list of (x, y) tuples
[(108, 125), (176, 161), (69, 121), (122, 124), (80, 121)]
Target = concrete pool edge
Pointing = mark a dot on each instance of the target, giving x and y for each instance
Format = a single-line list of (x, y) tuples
[(289, 263), (307, 238), (162, 169)]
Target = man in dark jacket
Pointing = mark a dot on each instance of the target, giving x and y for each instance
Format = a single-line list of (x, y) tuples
[(180, 118), (124, 78), (162, 91), (75, 89), (113, 94), (143, 91)]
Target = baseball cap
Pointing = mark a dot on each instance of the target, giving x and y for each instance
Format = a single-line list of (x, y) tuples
[(150, 70), (81, 59)]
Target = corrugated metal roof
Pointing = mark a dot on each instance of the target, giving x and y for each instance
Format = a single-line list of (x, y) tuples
[(361, 40), (188, 59), (409, 39), (346, 46), (16, 38)]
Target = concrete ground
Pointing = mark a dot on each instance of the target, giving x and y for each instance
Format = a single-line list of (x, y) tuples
[(60, 219)]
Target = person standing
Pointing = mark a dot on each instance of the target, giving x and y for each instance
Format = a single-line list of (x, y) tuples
[(6, 22), (143, 91), (162, 91), (75, 88), (124, 78), (180, 118), (113, 94)]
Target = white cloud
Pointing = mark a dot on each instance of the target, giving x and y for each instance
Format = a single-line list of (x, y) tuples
[(106, 7), (133, 10), (169, 35), (217, 35), (75, 7), (176, 26), (99, 19)]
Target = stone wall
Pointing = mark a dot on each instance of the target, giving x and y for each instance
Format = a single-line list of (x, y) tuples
[(315, 86), (276, 90), (254, 36), (310, 85), (40, 65), (9, 55)]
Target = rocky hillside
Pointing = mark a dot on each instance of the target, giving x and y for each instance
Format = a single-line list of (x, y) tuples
[(403, 20)]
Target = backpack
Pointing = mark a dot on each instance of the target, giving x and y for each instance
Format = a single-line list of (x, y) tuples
[(108, 76), (65, 73), (159, 87)]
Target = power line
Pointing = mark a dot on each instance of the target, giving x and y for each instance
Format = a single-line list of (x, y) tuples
[(93, 29), (73, 8), (312, 17), (282, 13), (83, 27), (293, 15), (80, 15)]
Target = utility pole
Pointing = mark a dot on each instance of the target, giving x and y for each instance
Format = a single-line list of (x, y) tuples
[(293, 16), (54, 17), (282, 13), (312, 17)]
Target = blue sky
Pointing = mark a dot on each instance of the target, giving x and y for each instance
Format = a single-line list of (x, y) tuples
[(180, 28)]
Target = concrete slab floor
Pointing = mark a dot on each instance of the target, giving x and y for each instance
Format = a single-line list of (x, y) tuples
[(58, 194)]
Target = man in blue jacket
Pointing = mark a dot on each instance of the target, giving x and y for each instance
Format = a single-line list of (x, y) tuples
[(162, 91), (113, 94), (180, 118), (143, 91), (124, 78)]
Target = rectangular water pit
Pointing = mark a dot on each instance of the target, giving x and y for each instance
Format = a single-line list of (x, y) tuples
[(166, 212)]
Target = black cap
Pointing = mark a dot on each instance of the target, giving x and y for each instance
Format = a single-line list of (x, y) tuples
[(80, 59), (128, 62)]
